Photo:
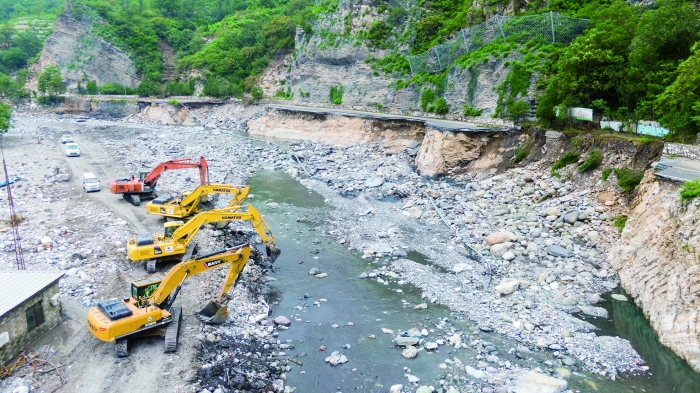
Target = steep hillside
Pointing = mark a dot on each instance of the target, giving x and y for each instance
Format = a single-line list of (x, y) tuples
[(83, 55)]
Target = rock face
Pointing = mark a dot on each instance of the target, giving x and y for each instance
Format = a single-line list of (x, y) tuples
[(656, 259), (321, 63), (75, 46), (444, 152)]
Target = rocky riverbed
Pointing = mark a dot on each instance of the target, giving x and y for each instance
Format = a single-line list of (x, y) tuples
[(541, 244), (519, 253)]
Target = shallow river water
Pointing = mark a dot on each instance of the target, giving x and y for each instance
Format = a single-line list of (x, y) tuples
[(353, 309)]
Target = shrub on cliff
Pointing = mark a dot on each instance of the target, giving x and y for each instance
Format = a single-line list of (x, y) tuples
[(336, 94), (592, 162), (440, 106), (628, 179), (690, 190), (567, 158)]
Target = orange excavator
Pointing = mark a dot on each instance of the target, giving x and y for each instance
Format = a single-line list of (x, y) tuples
[(136, 189)]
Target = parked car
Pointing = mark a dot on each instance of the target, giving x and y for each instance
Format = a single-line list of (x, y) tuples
[(72, 150), (66, 139), (90, 182)]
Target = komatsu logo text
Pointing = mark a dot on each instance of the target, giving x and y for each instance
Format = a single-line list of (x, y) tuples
[(220, 190), (236, 217)]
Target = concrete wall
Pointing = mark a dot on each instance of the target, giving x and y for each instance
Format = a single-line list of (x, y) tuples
[(15, 323)]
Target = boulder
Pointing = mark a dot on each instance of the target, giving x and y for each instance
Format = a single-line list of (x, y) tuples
[(507, 286), (410, 352), (497, 238), (282, 320), (534, 382)]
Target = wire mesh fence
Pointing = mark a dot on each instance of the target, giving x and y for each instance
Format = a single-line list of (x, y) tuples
[(551, 27)]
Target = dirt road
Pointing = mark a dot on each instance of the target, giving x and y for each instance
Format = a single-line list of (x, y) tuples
[(109, 274)]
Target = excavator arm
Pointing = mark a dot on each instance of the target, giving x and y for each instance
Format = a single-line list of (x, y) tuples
[(235, 257), (239, 193), (181, 163), (187, 231)]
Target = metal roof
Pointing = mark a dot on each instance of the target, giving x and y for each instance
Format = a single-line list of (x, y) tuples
[(17, 286)]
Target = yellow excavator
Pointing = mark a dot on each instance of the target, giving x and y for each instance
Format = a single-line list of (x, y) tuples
[(189, 203), (150, 311), (176, 242)]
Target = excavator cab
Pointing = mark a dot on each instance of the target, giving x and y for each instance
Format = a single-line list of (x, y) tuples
[(171, 227), (142, 289)]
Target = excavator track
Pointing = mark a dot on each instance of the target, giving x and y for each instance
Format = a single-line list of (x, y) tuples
[(122, 348), (133, 199), (151, 265), (172, 331)]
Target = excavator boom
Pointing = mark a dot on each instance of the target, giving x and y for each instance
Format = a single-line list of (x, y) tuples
[(151, 304), (135, 189), (181, 163), (189, 203)]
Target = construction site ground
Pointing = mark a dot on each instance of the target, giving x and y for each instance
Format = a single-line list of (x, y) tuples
[(88, 233)]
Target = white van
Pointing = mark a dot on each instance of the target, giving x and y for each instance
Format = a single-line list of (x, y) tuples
[(90, 182)]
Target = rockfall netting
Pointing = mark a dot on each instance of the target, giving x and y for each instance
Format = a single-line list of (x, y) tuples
[(551, 27)]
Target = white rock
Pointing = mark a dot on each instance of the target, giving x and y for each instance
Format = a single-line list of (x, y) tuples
[(534, 382), (507, 286), (475, 373), (508, 256), (410, 352), (396, 388)]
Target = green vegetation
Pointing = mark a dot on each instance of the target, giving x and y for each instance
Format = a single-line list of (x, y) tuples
[(606, 173), (511, 91), (10, 9), (285, 94), (632, 63), (173, 102), (440, 106), (92, 88), (690, 190), (628, 179), (567, 158), (5, 117), (619, 222), (256, 92), (426, 98), (593, 161), (50, 82), (469, 110), (522, 152), (336, 94)]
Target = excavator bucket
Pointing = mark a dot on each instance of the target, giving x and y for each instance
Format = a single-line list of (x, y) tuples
[(213, 313), (272, 252)]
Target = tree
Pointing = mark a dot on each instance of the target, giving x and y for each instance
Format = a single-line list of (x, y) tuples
[(14, 58), (280, 33), (50, 81), (678, 102), (91, 87), (168, 8), (5, 116)]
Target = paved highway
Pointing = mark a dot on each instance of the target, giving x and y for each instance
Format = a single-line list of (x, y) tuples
[(677, 169), (446, 125)]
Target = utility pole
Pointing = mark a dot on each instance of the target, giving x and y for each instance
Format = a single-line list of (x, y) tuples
[(14, 218)]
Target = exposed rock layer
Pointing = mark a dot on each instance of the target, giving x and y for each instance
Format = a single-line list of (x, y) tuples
[(657, 260), (75, 46)]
